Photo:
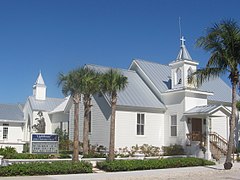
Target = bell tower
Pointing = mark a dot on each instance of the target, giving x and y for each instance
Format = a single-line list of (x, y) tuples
[(39, 88), (182, 67)]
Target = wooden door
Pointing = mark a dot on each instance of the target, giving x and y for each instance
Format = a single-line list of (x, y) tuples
[(196, 129)]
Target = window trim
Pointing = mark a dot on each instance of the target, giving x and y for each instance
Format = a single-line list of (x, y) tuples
[(5, 131), (173, 125), (140, 124), (178, 76)]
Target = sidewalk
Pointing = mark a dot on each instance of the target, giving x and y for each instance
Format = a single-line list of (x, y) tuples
[(195, 173)]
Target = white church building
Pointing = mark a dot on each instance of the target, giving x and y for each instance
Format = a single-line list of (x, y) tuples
[(158, 107)]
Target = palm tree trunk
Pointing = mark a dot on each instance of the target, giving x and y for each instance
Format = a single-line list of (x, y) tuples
[(75, 157), (87, 106), (228, 162), (112, 128)]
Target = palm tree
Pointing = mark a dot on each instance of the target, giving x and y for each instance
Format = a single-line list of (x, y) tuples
[(111, 83), (90, 86), (72, 85), (223, 42)]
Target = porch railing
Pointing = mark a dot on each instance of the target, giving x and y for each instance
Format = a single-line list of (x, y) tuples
[(218, 141), (218, 144)]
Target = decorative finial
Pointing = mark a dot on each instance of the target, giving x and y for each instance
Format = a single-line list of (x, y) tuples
[(182, 41)]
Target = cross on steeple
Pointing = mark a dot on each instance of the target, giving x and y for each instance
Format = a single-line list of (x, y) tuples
[(182, 41)]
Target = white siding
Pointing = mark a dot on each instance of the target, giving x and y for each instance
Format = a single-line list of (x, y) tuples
[(220, 124), (101, 113), (126, 129), (15, 136)]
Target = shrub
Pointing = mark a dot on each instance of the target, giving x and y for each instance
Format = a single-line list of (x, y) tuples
[(45, 168), (7, 152), (147, 150), (131, 165), (27, 156), (94, 155), (173, 150), (64, 142)]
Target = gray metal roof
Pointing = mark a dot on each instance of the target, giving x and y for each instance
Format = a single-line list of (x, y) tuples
[(201, 109), (207, 109), (11, 112), (136, 94), (45, 105), (160, 75)]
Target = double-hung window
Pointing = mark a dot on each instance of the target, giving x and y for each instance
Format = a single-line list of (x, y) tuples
[(174, 125), (140, 124), (5, 131)]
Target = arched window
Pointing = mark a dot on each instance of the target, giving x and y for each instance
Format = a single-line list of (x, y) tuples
[(189, 72), (179, 76)]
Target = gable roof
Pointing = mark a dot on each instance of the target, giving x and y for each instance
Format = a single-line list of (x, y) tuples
[(44, 105), (136, 94), (160, 75), (207, 110), (11, 112), (61, 107)]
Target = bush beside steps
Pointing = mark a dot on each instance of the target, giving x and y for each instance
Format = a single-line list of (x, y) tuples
[(45, 168), (132, 165)]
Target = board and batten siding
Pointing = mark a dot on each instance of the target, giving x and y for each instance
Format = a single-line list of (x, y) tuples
[(126, 129), (100, 126), (220, 124), (100, 121)]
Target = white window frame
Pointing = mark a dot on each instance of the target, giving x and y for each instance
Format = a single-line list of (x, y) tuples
[(173, 125), (5, 131), (178, 76), (140, 124)]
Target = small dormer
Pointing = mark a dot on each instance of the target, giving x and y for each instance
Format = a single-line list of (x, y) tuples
[(39, 88), (182, 67)]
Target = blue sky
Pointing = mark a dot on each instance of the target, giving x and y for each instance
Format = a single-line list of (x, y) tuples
[(56, 36)]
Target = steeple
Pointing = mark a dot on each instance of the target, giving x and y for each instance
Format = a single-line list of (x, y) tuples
[(183, 53), (40, 79), (39, 88), (182, 67)]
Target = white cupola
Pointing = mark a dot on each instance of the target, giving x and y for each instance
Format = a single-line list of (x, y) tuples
[(182, 67), (39, 88)]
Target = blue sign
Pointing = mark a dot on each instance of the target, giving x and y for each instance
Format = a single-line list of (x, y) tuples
[(44, 137)]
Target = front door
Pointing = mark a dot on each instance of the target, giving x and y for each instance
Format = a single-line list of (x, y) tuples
[(196, 129)]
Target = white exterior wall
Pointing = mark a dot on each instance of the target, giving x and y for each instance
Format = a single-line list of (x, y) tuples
[(191, 102), (126, 129), (101, 114), (100, 123), (28, 114), (220, 124), (57, 118), (175, 103), (15, 135)]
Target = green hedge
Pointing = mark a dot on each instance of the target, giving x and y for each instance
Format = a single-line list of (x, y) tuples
[(38, 168), (131, 165)]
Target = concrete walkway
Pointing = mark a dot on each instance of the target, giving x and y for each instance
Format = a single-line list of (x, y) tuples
[(194, 173)]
